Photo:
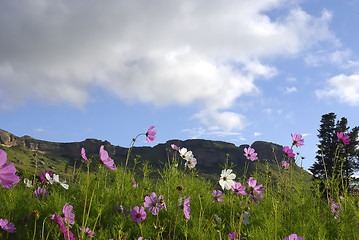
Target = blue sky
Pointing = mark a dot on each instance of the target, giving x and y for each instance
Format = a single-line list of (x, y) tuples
[(235, 71)]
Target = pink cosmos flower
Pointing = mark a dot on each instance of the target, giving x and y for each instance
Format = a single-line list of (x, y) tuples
[(343, 137), (87, 231), (250, 154), (8, 227), (239, 189), (255, 191), (155, 205), (217, 194), (135, 185), (335, 207), (233, 236), (57, 219), (285, 165), (83, 154), (297, 140), (40, 192), (186, 208), (174, 147), (138, 214), (288, 152), (7, 172), (293, 237), (68, 215), (106, 160), (151, 134)]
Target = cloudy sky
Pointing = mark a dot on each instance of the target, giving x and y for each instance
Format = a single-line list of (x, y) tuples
[(237, 70)]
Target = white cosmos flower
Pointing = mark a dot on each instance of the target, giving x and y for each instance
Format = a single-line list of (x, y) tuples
[(28, 182), (185, 154), (55, 179), (226, 180), (191, 163)]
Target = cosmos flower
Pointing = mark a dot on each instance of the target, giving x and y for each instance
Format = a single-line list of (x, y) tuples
[(217, 194), (185, 154), (135, 185), (297, 140), (191, 163), (68, 215), (233, 236), (174, 147), (87, 231), (43, 176), (151, 134), (226, 180), (343, 137), (83, 154), (250, 154), (155, 205), (255, 191), (8, 227), (28, 183), (293, 237), (138, 214), (55, 179), (288, 152), (40, 193), (285, 165), (7, 172), (239, 189), (106, 160), (186, 208)]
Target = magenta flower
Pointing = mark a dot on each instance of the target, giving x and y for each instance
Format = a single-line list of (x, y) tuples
[(217, 194), (138, 214), (87, 231), (8, 227), (155, 205), (186, 208), (239, 189), (253, 187), (7, 172), (343, 137), (40, 192), (151, 134), (83, 154), (135, 185), (174, 147), (68, 215), (335, 207), (255, 191), (233, 236), (250, 154), (297, 140), (293, 237), (285, 165), (106, 160), (288, 152), (57, 219), (43, 175)]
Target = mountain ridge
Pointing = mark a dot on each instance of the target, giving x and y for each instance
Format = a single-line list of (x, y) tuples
[(209, 154)]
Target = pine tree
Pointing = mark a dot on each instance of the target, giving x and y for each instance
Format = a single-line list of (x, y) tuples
[(339, 159)]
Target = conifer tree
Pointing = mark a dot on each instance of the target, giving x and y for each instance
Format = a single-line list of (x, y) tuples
[(333, 157)]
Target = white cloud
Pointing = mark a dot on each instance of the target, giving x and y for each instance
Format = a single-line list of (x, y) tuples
[(289, 90), (343, 88), (162, 52), (337, 57), (256, 134)]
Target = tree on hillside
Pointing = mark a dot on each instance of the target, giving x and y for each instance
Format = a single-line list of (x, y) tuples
[(339, 159)]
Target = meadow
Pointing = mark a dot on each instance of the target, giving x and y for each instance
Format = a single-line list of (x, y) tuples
[(105, 201)]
